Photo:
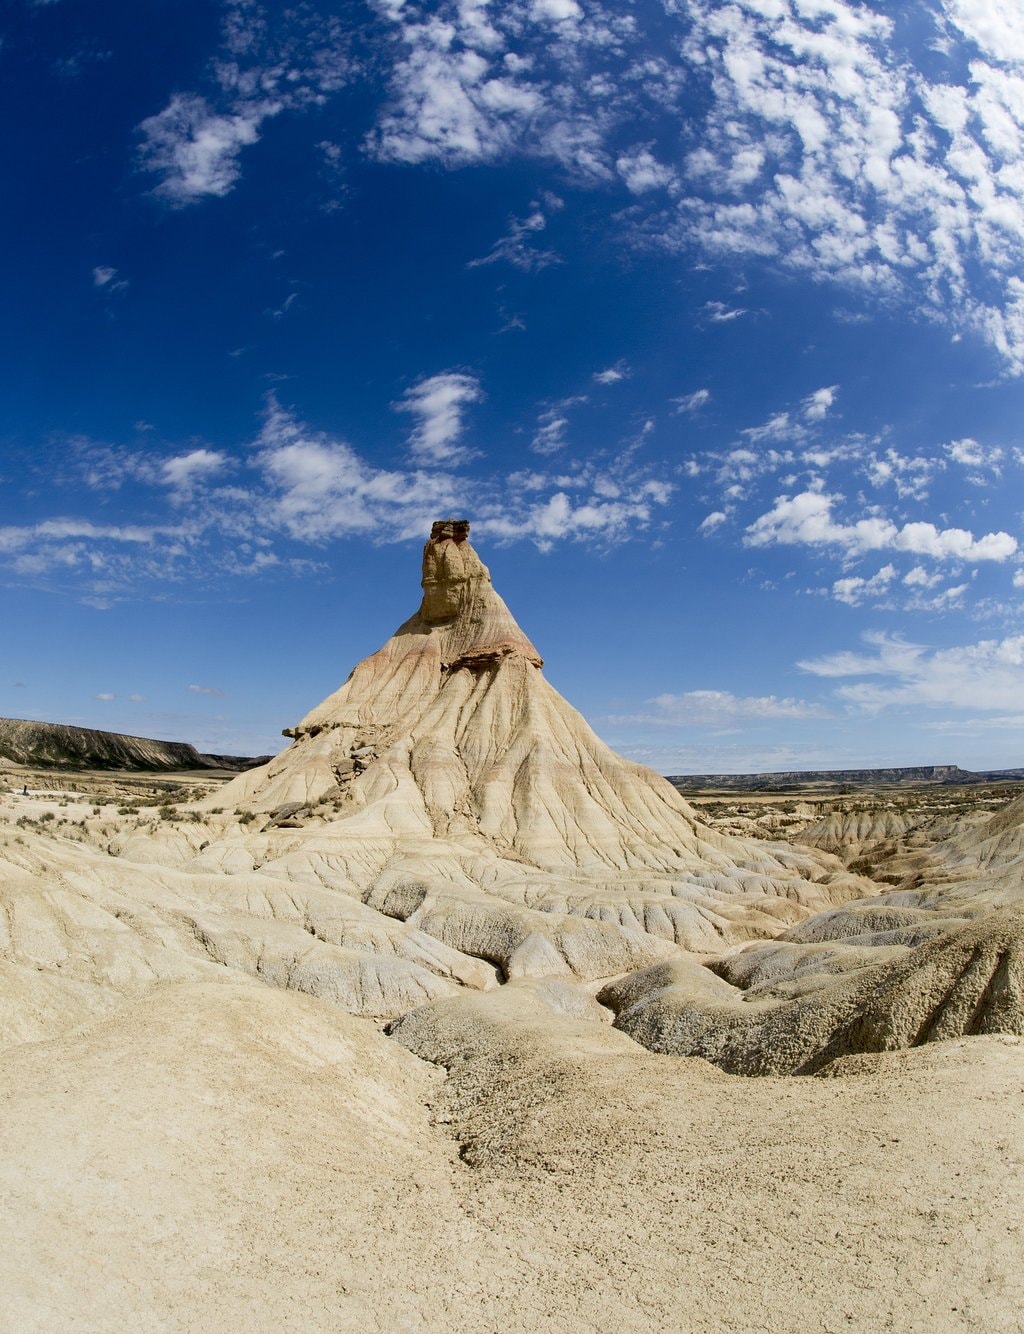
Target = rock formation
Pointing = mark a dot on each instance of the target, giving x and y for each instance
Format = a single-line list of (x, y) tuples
[(445, 845), (448, 784)]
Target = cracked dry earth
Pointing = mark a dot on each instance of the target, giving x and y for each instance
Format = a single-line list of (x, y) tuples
[(451, 1018)]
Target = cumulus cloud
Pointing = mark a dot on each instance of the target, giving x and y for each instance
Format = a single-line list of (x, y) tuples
[(475, 84), (909, 475), (438, 403), (602, 509), (806, 519), (641, 171), (195, 149), (985, 461), (856, 590), (205, 690), (105, 696), (273, 509), (816, 406)]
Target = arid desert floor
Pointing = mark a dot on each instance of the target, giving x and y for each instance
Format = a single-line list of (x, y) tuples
[(449, 1018)]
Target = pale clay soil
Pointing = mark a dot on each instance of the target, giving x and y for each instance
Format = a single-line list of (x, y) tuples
[(404, 1031)]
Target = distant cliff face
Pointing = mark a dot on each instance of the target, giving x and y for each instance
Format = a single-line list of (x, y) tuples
[(58, 746), (911, 776)]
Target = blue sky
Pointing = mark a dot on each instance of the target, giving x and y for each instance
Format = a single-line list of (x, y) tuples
[(709, 316)]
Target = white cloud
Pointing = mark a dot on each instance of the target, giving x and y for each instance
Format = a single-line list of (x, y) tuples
[(855, 590), (720, 708), (556, 11), (824, 144), (712, 521), (105, 278), (816, 406), (919, 577), (438, 401), (975, 677), (269, 63), (516, 246), (806, 519), (319, 489), (642, 172), (827, 150), (920, 590), (105, 696), (474, 85), (195, 149), (13, 537), (613, 374), (549, 437), (184, 470), (910, 476), (608, 510), (970, 454), (719, 313), (780, 426), (693, 402), (205, 690)]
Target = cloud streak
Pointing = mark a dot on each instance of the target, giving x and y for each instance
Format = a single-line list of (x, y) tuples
[(438, 404), (973, 678)]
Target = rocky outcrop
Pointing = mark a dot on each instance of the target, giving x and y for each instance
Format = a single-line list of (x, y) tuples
[(967, 982)]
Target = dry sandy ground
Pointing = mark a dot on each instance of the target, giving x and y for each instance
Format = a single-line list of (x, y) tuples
[(229, 1156)]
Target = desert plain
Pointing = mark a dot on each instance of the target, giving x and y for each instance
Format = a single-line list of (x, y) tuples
[(450, 1018)]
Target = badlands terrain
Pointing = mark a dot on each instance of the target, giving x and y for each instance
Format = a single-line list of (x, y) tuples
[(448, 1017)]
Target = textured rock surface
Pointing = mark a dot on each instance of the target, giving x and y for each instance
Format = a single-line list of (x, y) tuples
[(966, 982)]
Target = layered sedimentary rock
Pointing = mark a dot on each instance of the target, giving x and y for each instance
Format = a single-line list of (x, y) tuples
[(443, 822), (448, 784), (446, 822)]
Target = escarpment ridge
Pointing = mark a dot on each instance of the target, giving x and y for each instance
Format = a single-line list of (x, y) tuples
[(62, 746)]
